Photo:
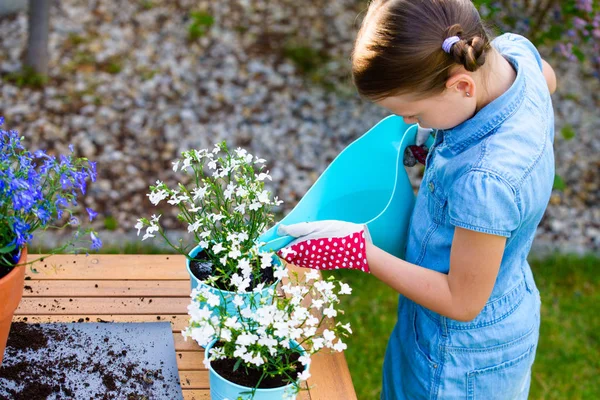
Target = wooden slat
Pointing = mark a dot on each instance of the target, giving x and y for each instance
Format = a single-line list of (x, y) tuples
[(102, 305), (109, 266), (196, 394), (330, 378), (193, 379), (178, 322), (92, 288), (190, 360)]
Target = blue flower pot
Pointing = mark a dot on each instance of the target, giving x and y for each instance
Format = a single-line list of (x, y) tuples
[(251, 299), (221, 388)]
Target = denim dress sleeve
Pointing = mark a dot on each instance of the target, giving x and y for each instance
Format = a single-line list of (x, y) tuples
[(483, 201)]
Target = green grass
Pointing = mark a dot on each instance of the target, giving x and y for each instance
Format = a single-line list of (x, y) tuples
[(567, 363)]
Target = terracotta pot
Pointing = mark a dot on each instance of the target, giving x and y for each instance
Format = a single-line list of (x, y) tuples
[(11, 291)]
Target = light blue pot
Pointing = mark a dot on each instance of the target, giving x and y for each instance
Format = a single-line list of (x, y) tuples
[(251, 299), (221, 388)]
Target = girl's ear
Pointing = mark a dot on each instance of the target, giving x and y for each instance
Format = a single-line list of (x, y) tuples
[(463, 83)]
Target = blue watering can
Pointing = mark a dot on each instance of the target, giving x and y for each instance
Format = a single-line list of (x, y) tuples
[(366, 184)]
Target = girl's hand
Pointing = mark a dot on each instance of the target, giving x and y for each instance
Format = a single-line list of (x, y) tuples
[(417, 152), (327, 244)]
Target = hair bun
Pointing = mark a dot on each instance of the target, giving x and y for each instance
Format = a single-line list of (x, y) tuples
[(469, 53)]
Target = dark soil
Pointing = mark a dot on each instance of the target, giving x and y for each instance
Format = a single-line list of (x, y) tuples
[(202, 268), (5, 269), (249, 376), (121, 377)]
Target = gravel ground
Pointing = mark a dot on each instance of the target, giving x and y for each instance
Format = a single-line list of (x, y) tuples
[(131, 90)]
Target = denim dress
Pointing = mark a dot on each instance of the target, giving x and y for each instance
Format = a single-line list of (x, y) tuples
[(493, 174)]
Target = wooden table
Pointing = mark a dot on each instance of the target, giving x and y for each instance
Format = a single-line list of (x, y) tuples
[(143, 288)]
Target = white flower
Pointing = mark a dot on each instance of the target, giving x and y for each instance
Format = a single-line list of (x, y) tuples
[(187, 162), (317, 303), (175, 165), (238, 301), (232, 322), (304, 375), (241, 283), (213, 300), (240, 351), (174, 200), (347, 327), (241, 208), (217, 248), (235, 253), (340, 346), (229, 191), (259, 287), (158, 196), (286, 251), (195, 226), (255, 206), (330, 312), (318, 344), (276, 201), (265, 260), (241, 192), (195, 209), (139, 226), (150, 231), (260, 161), (312, 320), (205, 234), (217, 217), (203, 335), (280, 273), (226, 335), (212, 164), (199, 193), (304, 360), (262, 176), (345, 288), (263, 197), (329, 335), (310, 332), (246, 339), (203, 243), (197, 313), (223, 259), (311, 275)]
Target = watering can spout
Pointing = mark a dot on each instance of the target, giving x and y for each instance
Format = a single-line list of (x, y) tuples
[(366, 183)]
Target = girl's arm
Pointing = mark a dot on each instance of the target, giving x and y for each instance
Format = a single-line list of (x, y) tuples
[(549, 75), (461, 294)]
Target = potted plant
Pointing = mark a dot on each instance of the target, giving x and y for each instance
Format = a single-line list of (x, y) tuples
[(264, 353), (221, 198), (37, 192)]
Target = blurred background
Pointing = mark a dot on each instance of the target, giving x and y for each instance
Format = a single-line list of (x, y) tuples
[(133, 83)]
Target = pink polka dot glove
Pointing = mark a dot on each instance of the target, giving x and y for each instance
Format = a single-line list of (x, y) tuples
[(327, 244)]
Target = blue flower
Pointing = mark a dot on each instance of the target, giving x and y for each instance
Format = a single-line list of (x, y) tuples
[(21, 232), (93, 214), (96, 242), (71, 148)]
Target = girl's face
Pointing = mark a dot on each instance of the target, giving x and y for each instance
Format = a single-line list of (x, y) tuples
[(443, 111)]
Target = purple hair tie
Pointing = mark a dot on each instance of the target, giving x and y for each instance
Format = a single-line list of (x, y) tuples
[(449, 42)]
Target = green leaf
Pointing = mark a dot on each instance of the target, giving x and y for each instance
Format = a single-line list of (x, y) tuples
[(559, 183), (567, 132), (237, 364), (8, 248)]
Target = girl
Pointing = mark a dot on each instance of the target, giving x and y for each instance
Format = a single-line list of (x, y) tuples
[(469, 310)]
